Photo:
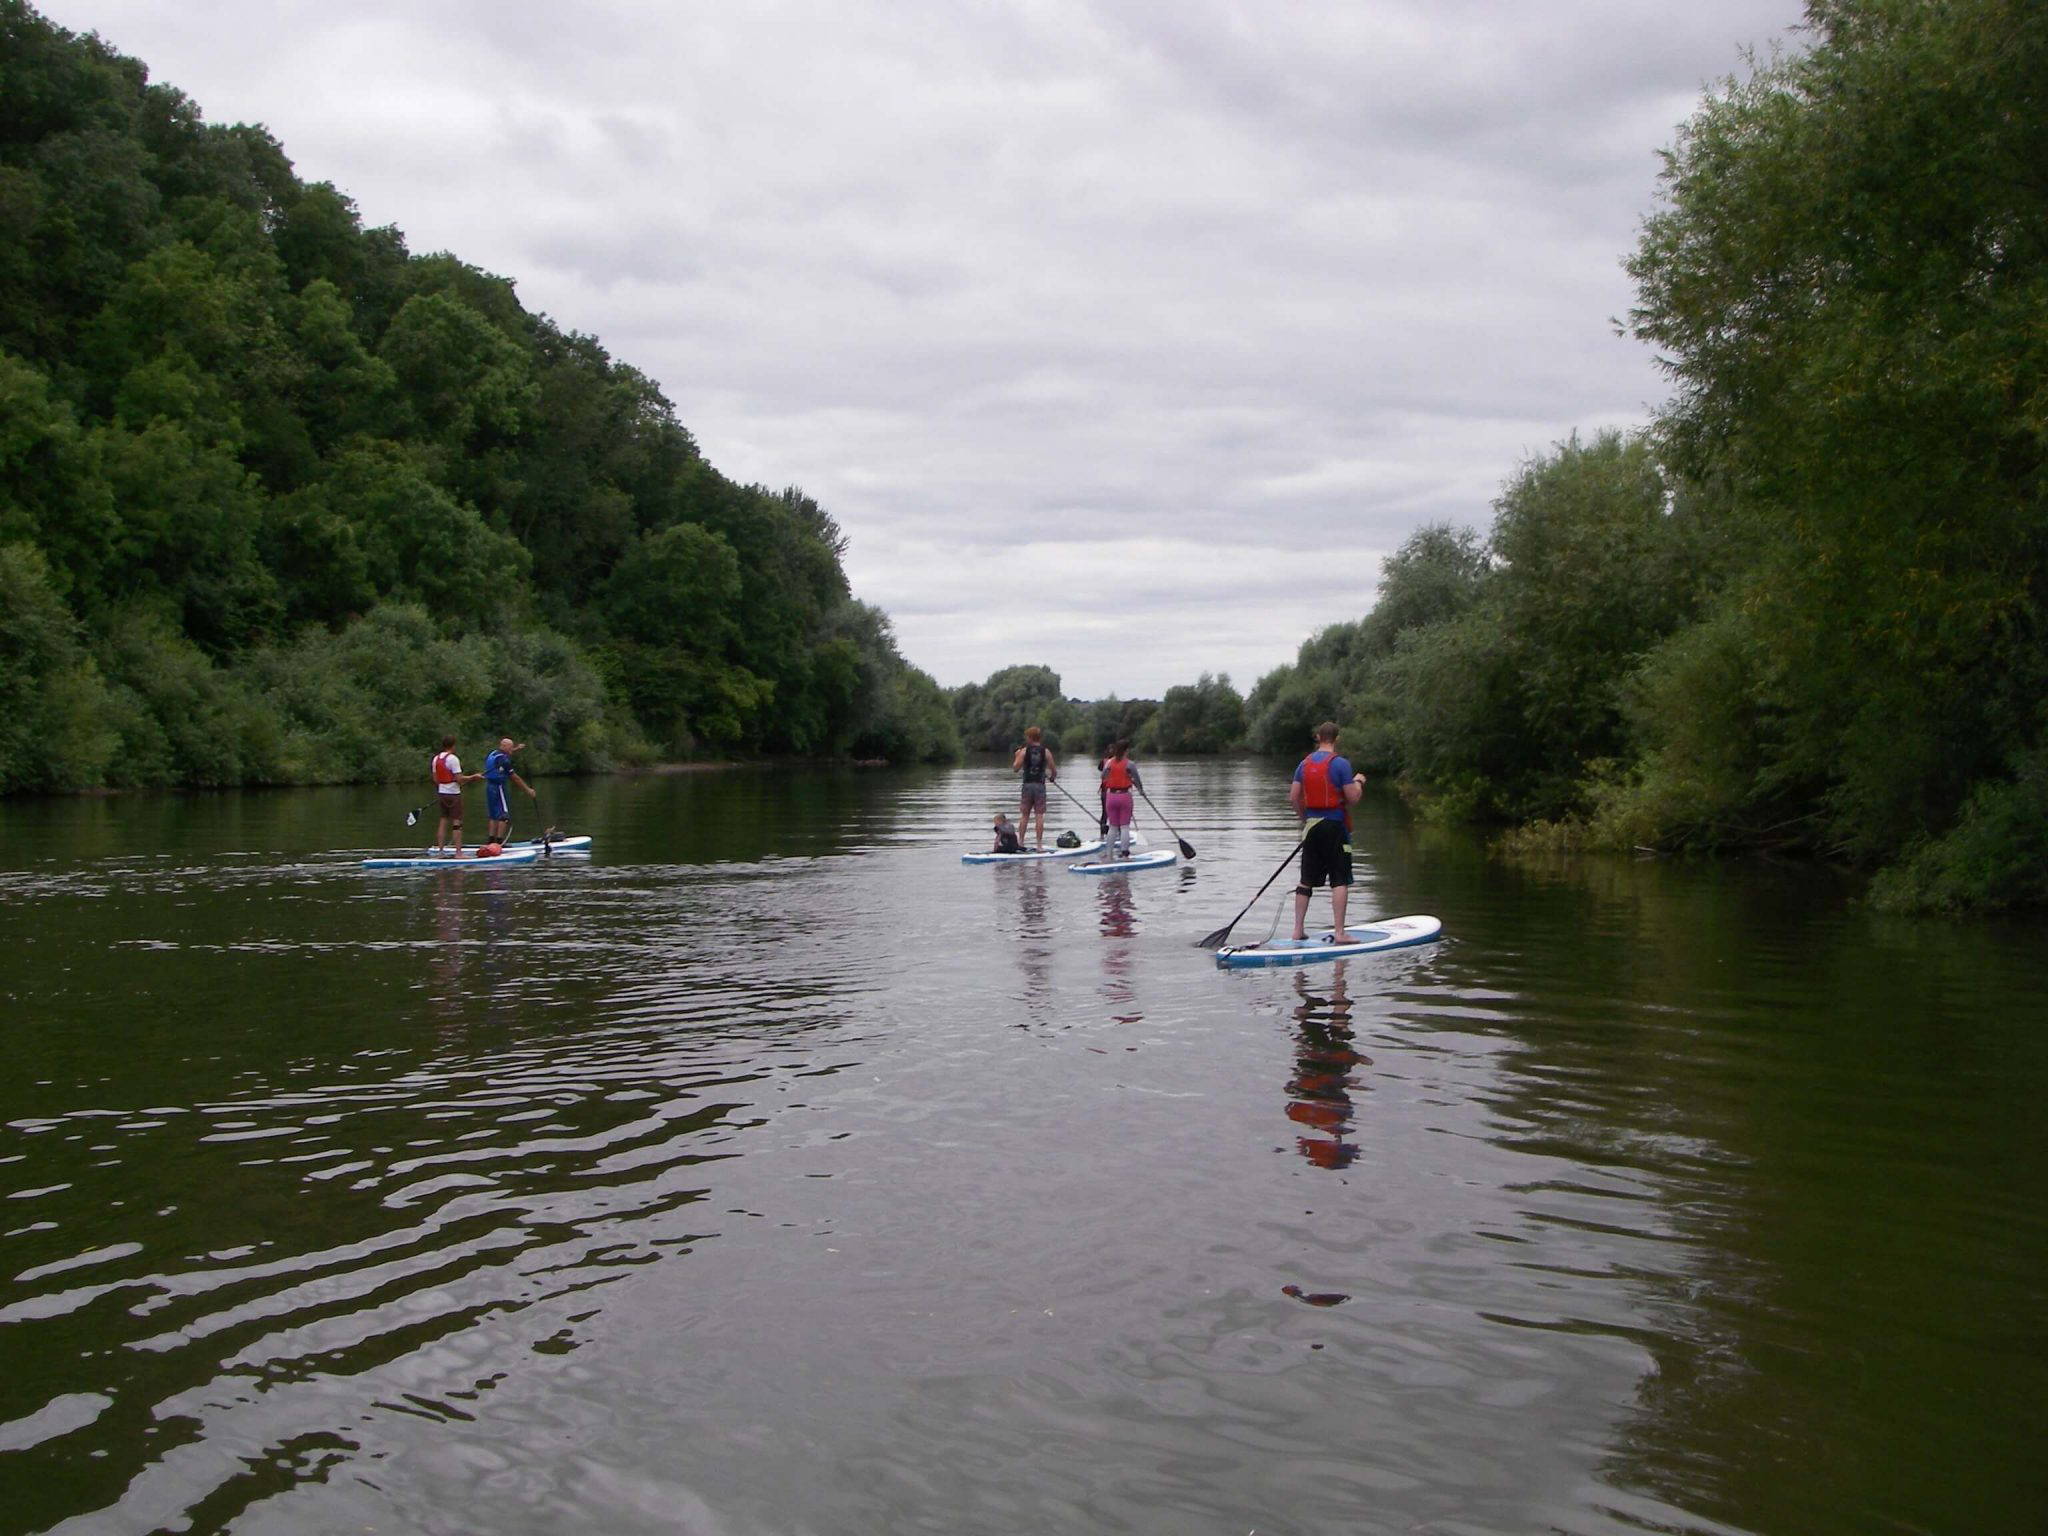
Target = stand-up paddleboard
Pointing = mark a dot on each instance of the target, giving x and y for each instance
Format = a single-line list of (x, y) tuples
[(1367, 938), (514, 853), (1157, 858), (577, 844), (1036, 856)]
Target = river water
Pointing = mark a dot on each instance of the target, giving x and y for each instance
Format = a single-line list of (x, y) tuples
[(770, 1171)]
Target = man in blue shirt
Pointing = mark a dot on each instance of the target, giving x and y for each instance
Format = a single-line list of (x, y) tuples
[(497, 771), (1322, 794)]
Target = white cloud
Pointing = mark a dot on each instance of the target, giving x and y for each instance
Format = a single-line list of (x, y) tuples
[(1121, 336)]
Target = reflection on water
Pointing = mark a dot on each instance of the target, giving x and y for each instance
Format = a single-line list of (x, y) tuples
[(769, 1170), (1328, 1069)]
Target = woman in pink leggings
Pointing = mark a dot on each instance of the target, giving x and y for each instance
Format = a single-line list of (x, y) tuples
[(1119, 778)]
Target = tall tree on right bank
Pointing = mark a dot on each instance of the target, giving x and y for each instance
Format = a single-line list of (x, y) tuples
[(1849, 285)]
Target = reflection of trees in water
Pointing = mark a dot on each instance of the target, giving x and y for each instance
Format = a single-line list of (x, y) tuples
[(1793, 1154), (1319, 1093)]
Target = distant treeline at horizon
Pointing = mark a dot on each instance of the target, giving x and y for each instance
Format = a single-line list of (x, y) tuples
[(282, 502), (1807, 610)]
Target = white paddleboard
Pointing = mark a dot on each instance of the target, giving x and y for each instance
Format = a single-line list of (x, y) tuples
[(515, 853), (1037, 856), (577, 844), (1158, 858), (1367, 938)]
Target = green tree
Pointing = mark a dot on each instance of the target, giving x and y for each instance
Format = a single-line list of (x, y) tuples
[(992, 716), (53, 703), (1848, 283), (1205, 716)]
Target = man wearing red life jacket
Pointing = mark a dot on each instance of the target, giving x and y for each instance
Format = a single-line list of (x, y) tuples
[(1322, 794), (448, 781)]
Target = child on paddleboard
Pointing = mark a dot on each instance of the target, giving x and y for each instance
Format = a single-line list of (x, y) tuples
[(1007, 840)]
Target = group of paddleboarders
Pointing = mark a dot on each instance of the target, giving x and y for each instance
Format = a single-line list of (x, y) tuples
[(446, 772), (1322, 792), (1035, 764)]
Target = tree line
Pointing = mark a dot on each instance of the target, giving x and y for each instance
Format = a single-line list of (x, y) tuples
[(1806, 609), (281, 501)]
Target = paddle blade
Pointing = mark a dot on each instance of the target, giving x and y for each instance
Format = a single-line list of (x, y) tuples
[(1215, 940), (1187, 849), (412, 818)]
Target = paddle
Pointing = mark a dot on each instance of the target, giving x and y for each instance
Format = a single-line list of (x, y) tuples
[(1102, 818), (412, 817), (547, 835), (1187, 849), (1215, 940)]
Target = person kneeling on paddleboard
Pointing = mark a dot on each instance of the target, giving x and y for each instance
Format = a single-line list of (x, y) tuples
[(1006, 836), (1322, 794), (1119, 778)]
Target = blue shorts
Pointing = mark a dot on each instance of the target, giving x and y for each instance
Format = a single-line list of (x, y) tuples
[(494, 803)]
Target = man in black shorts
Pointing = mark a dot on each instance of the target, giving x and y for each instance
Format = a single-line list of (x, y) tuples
[(1322, 794)]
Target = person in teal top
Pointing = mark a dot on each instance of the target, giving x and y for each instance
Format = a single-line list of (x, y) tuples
[(497, 773)]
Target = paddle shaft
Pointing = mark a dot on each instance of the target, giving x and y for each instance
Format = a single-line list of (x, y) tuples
[(1215, 940), (1187, 849), (1102, 818)]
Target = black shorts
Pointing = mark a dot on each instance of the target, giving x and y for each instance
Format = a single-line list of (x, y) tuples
[(1326, 854)]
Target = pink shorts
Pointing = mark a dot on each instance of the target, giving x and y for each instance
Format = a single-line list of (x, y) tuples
[(1116, 805)]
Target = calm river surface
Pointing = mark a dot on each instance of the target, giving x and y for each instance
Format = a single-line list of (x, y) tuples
[(773, 1172)]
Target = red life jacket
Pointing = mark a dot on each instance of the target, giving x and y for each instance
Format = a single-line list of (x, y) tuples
[(1317, 792), (1116, 774), (443, 774)]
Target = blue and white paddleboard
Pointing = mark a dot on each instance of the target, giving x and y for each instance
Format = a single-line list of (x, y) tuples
[(1037, 856), (514, 853), (577, 844), (1367, 938), (1158, 858)]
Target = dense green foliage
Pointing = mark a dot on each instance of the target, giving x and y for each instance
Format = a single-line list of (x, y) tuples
[(1808, 610), (280, 501), (1850, 284)]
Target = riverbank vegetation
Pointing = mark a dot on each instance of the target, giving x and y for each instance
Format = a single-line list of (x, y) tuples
[(282, 502), (1807, 609)]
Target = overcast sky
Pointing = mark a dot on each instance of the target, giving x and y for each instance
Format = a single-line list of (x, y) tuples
[(1123, 336)]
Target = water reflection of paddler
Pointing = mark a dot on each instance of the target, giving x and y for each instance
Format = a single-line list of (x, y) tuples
[(448, 950), (1034, 939), (1319, 1093), (1118, 921)]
